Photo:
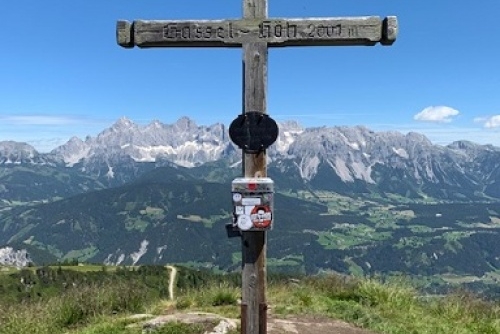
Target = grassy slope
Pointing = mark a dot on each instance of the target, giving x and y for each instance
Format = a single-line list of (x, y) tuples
[(101, 306)]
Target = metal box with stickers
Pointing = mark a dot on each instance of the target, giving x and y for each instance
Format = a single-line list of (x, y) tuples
[(253, 202)]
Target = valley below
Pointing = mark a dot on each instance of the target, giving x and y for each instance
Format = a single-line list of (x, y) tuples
[(438, 245)]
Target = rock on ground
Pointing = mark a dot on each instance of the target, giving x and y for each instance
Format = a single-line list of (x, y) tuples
[(276, 325), (222, 325)]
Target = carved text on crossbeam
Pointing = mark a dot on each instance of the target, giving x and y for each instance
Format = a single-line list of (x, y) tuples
[(275, 32)]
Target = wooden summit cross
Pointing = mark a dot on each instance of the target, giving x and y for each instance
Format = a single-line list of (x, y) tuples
[(255, 33)]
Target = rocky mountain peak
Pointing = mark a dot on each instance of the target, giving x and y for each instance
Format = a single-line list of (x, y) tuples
[(463, 145), (123, 123), (73, 151), (185, 124), (155, 124), (184, 143), (418, 137), (293, 126), (12, 152), (8, 147)]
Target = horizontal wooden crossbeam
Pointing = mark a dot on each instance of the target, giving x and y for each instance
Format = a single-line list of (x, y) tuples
[(276, 32)]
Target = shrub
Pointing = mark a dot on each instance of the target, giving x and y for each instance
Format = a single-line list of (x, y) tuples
[(224, 297), (183, 302), (336, 287)]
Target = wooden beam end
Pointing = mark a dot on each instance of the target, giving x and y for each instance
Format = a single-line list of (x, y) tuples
[(390, 30), (125, 34)]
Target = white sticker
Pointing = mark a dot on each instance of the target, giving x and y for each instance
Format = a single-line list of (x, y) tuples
[(244, 223), (239, 210), (251, 201), (248, 209), (236, 197)]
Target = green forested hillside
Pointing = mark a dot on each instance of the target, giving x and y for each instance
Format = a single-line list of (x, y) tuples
[(42, 183), (173, 215)]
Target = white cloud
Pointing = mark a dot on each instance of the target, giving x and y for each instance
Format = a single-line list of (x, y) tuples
[(45, 131), (46, 144), (38, 120), (439, 114), (492, 122)]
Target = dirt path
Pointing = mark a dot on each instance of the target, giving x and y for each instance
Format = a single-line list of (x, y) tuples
[(311, 325), (171, 281)]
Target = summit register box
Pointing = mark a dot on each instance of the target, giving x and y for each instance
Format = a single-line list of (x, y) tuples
[(253, 203)]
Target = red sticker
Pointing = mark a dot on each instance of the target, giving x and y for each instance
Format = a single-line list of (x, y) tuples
[(261, 216)]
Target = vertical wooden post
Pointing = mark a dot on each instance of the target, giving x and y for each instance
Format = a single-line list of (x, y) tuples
[(256, 32), (254, 278)]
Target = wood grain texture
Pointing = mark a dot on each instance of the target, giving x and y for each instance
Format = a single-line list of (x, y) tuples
[(254, 278), (390, 30), (124, 34), (253, 9), (254, 248)]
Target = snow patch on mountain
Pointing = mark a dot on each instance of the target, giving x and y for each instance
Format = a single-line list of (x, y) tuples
[(110, 174), (136, 256), (160, 250), (17, 258), (10, 162), (150, 153), (401, 152), (288, 132), (308, 167), (119, 259), (354, 146), (236, 164)]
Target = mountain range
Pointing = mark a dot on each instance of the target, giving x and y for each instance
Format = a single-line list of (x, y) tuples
[(344, 159), (348, 199)]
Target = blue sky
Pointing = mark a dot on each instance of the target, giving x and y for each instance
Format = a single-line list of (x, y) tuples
[(62, 73)]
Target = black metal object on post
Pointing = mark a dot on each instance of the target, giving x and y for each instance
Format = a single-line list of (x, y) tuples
[(232, 231), (253, 132)]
